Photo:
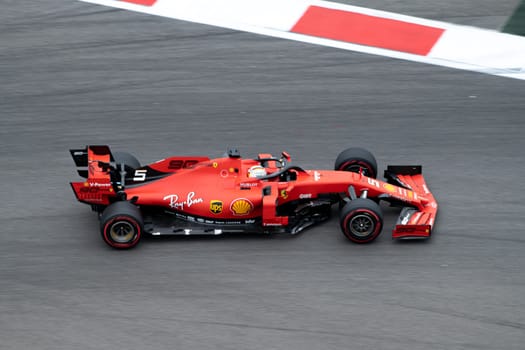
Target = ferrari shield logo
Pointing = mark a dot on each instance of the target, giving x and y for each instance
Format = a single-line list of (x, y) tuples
[(216, 206)]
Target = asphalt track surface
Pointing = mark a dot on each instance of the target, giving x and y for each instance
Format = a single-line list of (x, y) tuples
[(74, 74)]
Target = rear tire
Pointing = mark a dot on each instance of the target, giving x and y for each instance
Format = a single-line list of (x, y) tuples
[(357, 160), (121, 225), (129, 160), (361, 220)]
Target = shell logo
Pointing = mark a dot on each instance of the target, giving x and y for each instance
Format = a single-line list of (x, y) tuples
[(241, 206), (389, 187)]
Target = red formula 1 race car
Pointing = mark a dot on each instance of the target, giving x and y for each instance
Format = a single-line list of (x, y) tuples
[(186, 195)]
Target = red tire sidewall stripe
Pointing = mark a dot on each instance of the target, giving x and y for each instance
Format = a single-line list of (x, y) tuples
[(360, 163), (114, 244), (376, 232)]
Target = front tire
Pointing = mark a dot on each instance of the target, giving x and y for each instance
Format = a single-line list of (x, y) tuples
[(357, 160), (121, 225), (361, 220)]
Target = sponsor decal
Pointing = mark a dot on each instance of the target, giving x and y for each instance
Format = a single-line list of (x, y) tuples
[(215, 164), (241, 206), (180, 204), (405, 192), (305, 195), (284, 194), (228, 222), (389, 187), (89, 190), (98, 184), (95, 199), (177, 164), (232, 222), (402, 229), (373, 182), (317, 176), (249, 184), (208, 221), (216, 206)]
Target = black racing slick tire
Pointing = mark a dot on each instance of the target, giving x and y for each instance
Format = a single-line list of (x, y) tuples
[(361, 220), (121, 225), (129, 160), (357, 160)]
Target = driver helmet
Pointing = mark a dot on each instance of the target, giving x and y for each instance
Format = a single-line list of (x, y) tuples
[(256, 171)]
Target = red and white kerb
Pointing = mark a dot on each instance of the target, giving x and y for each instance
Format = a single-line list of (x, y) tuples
[(352, 28)]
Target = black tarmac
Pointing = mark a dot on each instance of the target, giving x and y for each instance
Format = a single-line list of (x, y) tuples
[(73, 74)]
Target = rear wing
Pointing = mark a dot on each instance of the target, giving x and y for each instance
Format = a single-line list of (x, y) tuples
[(86, 158), (416, 220), (94, 164)]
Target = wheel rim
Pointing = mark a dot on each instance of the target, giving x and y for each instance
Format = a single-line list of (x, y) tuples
[(122, 232), (362, 225), (356, 168)]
